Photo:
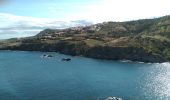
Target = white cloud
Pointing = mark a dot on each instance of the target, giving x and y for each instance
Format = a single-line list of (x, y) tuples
[(13, 21), (6, 34), (21, 26), (122, 10)]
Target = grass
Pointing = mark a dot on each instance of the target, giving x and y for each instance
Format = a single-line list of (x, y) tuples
[(157, 37), (92, 42)]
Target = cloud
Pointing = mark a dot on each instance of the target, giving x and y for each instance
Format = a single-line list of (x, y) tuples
[(19, 26), (6, 34), (122, 10)]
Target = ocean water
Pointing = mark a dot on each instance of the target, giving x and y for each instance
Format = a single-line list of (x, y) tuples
[(27, 76)]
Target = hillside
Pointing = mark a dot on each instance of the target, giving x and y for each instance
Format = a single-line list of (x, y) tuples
[(146, 40)]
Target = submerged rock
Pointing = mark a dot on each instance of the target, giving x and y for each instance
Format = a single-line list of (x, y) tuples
[(113, 98), (47, 56), (110, 98)]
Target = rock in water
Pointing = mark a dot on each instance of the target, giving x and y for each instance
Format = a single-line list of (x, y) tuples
[(113, 98), (66, 59)]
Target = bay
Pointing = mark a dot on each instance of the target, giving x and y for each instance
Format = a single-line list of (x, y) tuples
[(28, 76)]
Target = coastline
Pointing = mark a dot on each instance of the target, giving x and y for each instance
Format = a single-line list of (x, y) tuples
[(121, 60), (141, 40)]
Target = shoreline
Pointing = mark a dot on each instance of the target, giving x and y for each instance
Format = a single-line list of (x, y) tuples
[(123, 61)]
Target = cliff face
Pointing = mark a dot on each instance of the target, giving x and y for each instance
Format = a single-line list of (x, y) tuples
[(142, 40), (98, 52)]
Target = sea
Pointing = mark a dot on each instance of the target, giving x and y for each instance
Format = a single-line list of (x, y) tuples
[(30, 76)]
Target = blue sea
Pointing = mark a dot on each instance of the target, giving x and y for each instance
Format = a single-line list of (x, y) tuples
[(28, 76)]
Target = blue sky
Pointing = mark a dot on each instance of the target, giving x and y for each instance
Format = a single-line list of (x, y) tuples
[(27, 17), (92, 10), (45, 8)]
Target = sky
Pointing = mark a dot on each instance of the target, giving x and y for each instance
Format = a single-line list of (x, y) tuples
[(28, 17)]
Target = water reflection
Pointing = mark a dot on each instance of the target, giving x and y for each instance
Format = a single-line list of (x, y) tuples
[(157, 82)]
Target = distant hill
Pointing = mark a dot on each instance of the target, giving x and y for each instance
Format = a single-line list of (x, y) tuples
[(146, 40)]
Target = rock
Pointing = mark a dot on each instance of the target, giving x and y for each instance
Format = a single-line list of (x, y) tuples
[(49, 56), (66, 59), (113, 98)]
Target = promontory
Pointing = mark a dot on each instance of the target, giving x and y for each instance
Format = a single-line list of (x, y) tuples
[(146, 40)]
